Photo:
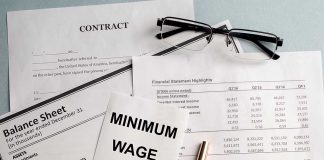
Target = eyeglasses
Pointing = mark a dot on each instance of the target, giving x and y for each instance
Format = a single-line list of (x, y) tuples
[(198, 35)]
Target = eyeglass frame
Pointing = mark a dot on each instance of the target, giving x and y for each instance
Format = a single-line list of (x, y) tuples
[(254, 38)]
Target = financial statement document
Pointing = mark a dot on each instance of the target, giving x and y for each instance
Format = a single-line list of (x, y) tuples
[(54, 50), (269, 110)]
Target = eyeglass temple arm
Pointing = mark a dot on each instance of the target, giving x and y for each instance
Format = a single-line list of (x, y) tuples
[(179, 24), (270, 53), (182, 27), (248, 36), (251, 36), (169, 33)]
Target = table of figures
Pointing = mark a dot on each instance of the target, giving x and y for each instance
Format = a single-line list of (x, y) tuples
[(242, 118)]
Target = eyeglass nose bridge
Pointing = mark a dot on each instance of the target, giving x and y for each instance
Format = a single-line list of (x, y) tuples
[(209, 38), (228, 40)]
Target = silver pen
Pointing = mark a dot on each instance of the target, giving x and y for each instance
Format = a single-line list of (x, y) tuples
[(203, 151)]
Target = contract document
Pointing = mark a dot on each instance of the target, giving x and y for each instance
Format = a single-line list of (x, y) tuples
[(54, 50), (136, 128), (270, 110)]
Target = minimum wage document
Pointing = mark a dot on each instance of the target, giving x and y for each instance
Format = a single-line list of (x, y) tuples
[(53, 50), (246, 110), (136, 129)]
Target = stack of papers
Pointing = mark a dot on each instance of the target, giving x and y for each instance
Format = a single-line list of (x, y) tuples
[(53, 64), (65, 63)]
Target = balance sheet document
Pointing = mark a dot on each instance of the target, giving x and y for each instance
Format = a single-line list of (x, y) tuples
[(269, 110)]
